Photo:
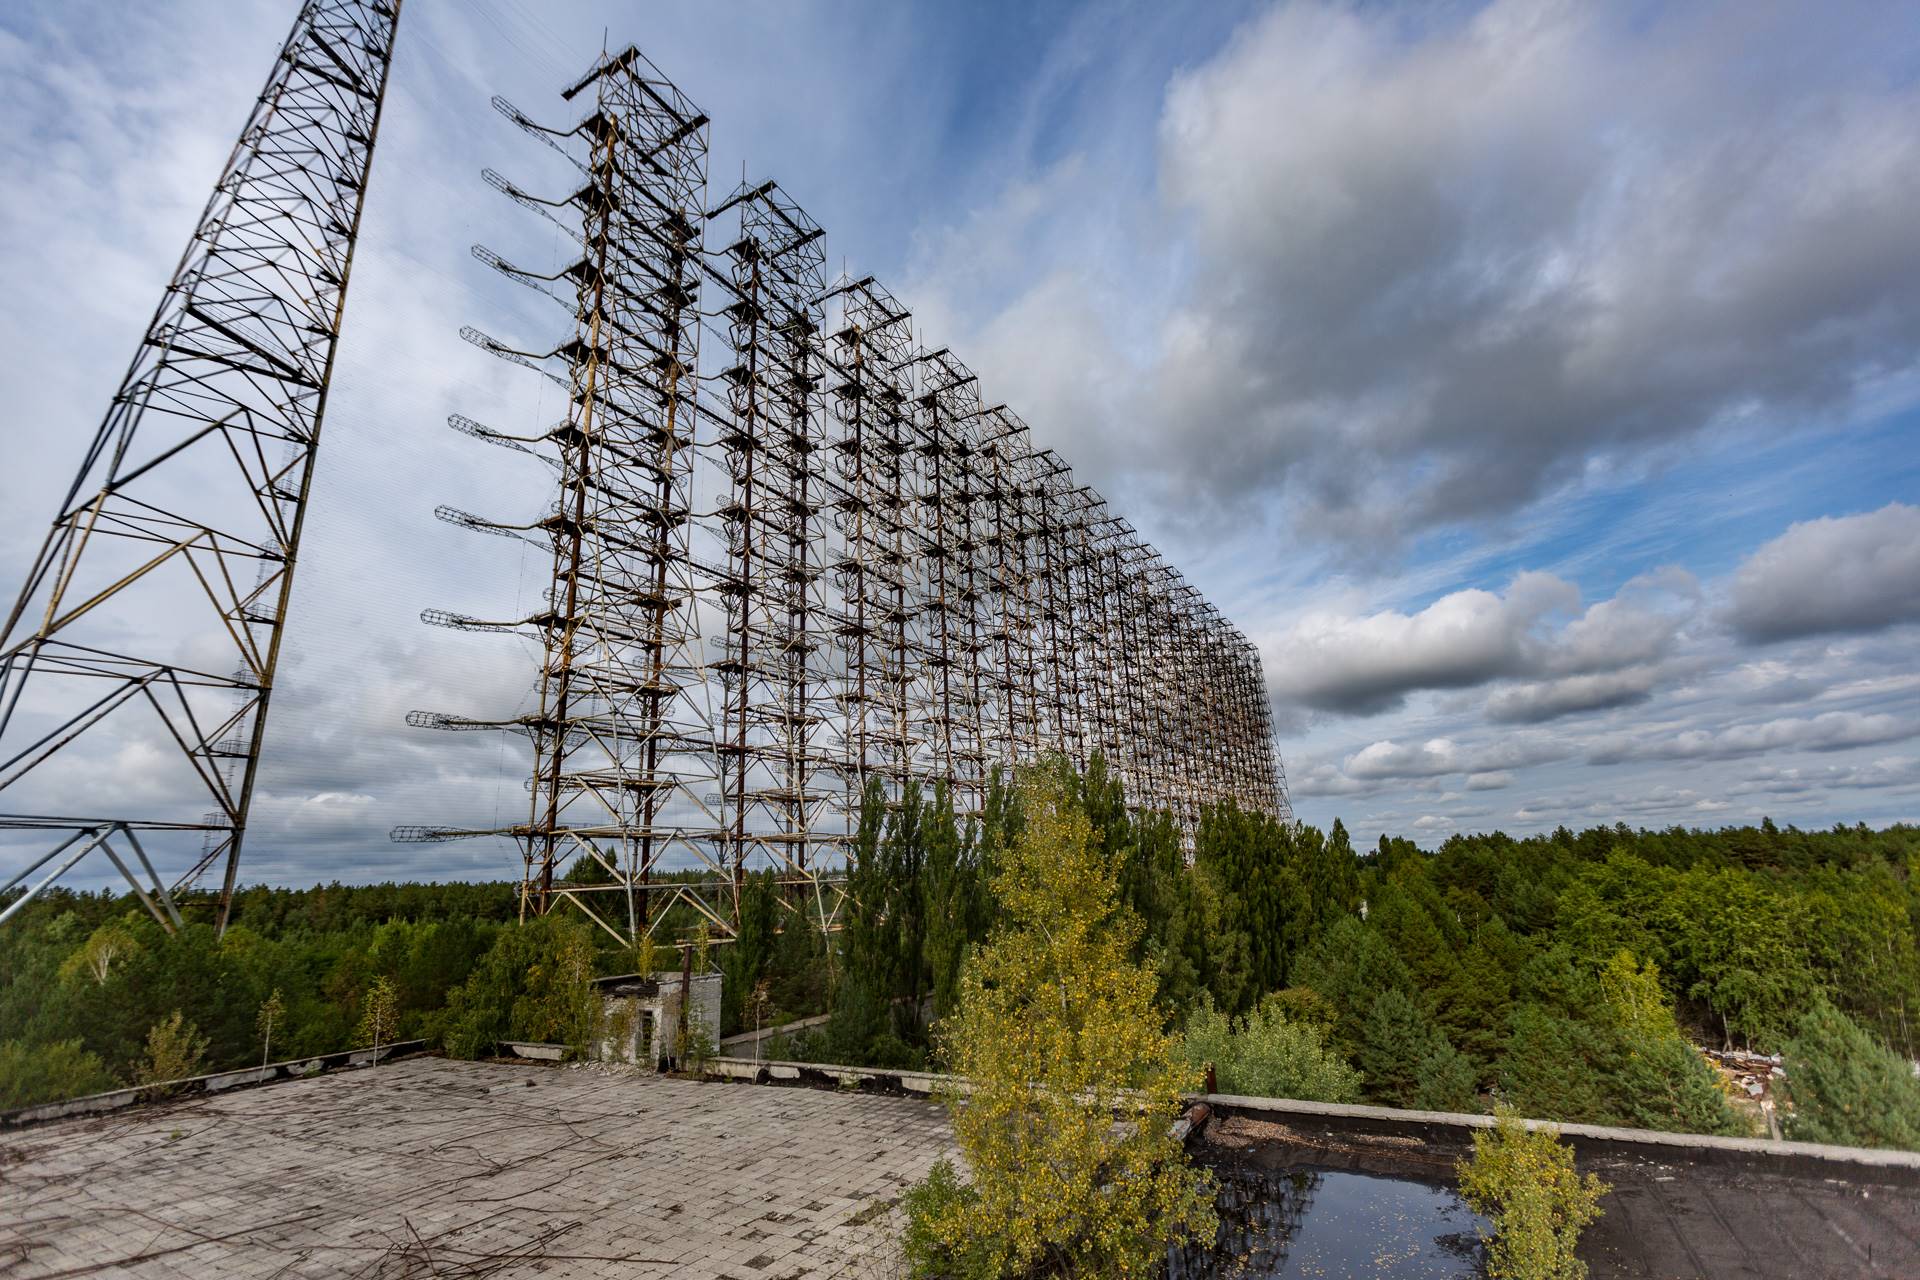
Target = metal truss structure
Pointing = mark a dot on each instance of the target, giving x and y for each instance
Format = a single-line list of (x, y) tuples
[(827, 563), (189, 502)]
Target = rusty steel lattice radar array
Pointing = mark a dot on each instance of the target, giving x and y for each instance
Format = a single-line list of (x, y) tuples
[(180, 532), (814, 558)]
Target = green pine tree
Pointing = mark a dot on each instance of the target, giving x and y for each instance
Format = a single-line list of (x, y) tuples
[(1350, 965), (1552, 1068), (1846, 1087), (745, 963), (1407, 1060), (1057, 1034)]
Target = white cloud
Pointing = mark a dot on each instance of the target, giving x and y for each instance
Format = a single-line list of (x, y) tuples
[(1535, 701), (1414, 760), (1325, 780), (1892, 772), (1835, 574), (1368, 663), (1828, 731), (1771, 683), (1659, 802), (1437, 757)]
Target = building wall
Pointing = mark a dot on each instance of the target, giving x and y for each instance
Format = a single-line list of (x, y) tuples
[(651, 1022)]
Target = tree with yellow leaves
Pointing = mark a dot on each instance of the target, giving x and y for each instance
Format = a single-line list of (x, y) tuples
[(379, 1015), (1524, 1180), (1072, 1083)]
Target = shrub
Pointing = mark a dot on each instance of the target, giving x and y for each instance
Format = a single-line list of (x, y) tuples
[(34, 1073), (618, 1032), (175, 1051), (1524, 1180), (1267, 1054), (696, 1050), (803, 1044), (942, 1197)]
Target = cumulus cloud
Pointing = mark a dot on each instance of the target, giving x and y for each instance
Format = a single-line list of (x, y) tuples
[(1835, 574), (1325, 780), (1365, 664), (1771, 683), (1369, 663), (1412, 760), (1829, 731), (1446, 263), (1437, 757), (1535, 701), (1435, 823), (1657, 802), (1820, 763)]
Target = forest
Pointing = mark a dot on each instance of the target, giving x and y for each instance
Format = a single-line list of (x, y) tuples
[(1570, 976)]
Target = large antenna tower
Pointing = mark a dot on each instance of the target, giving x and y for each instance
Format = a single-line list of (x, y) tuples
[(623, 769), (825, 566), (149, 628)]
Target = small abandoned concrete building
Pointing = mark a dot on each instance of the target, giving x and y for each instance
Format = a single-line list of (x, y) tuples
[(643, 1014)]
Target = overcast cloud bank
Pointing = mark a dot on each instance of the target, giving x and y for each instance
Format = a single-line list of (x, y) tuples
[(1448, 263)]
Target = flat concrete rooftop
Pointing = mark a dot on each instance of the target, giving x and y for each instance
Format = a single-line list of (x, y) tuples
[(431, 1167), (427, 1167)]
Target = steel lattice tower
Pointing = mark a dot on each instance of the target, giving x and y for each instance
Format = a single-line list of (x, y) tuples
[(771, 444), (826, 564), (624, 770), (189, 502)]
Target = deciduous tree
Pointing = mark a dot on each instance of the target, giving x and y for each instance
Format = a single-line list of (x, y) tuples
[(1057, 1035)]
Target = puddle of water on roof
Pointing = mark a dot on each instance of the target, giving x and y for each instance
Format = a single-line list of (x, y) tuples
[(1311, 1222)]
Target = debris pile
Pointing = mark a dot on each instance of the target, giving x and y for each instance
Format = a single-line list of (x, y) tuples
[(1750, 1078)]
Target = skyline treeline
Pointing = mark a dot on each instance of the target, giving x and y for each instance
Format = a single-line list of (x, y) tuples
[(1569, 974)]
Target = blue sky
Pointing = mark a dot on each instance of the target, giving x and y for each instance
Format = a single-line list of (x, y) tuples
[(1535, 382)]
